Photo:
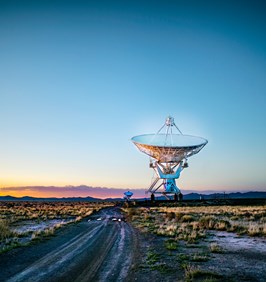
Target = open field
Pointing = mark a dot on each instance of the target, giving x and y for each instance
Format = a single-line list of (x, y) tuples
[(192, 243), (192, 223), (202, 243), (24, 222)]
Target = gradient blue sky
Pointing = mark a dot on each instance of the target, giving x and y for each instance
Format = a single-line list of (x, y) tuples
[(78, 79)]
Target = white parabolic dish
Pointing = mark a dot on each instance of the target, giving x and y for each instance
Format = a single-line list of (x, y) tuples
[(169, 148)]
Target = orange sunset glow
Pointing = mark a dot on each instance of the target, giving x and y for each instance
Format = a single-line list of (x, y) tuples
[(67, 191)]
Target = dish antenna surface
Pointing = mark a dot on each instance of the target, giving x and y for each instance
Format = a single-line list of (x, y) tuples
[(128, 195), (169, 152)]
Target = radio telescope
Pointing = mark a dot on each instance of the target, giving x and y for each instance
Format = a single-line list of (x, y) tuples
[(168, 152), (128, 195)]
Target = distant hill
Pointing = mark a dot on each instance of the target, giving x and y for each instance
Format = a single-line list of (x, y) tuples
[(190, 196), (235, 195), (71, 199)]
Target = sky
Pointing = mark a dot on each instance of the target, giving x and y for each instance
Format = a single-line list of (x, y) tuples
[(78, 79)]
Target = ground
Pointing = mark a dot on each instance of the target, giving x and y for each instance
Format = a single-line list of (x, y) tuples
[(90, 250), (99, 248), (195, 262)]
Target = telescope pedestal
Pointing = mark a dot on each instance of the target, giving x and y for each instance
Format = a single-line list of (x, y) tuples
[(164, 183)]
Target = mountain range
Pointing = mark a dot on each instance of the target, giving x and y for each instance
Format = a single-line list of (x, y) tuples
[(190, 196)]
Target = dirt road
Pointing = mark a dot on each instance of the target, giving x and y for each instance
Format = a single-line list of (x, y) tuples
[(97, 250)]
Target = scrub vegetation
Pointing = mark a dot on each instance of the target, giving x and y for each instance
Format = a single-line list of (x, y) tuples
[(192, 223), (186, 235), (193, 273), (25, 222)]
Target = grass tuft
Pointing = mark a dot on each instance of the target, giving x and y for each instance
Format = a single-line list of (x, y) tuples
[(152, 257), (5, 231), (171, 244), (193, 272), (215, 248)]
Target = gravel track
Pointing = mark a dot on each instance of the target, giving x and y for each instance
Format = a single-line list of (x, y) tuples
[(98, 250)]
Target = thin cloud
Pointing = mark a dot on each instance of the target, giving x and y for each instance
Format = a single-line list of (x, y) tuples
[(71, 191)]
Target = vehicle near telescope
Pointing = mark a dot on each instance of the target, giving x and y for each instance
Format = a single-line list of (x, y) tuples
[(169, 153)]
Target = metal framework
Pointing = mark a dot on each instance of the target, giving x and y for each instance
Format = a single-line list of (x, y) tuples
[(168, 156)]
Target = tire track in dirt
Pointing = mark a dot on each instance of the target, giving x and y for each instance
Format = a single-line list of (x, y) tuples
[(103, 246), (103, 251), (55, 259), (119, 260)]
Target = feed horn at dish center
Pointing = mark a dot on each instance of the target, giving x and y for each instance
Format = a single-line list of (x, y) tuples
[(169, 150)]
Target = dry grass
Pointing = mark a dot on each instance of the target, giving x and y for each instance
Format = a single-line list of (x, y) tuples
[(215, 248), (5, 231), (193, 272), (17, 213), (192, 223)]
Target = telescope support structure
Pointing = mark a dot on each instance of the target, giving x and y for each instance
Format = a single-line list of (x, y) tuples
[(168, 156), (166, 173)]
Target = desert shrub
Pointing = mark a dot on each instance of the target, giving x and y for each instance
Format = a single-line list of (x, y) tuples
[(191, 223), (264, 229), (152, 257), (207, 222), (148, 217), (5, 231), (132, 211), (171, 244), (170, 215), (48, 232), (238, 228), (160, 232), (222, 225), (178, 216), (256, 229), (171, 229), (192, 272), (215, 248), (182, 257), (187, 218)]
